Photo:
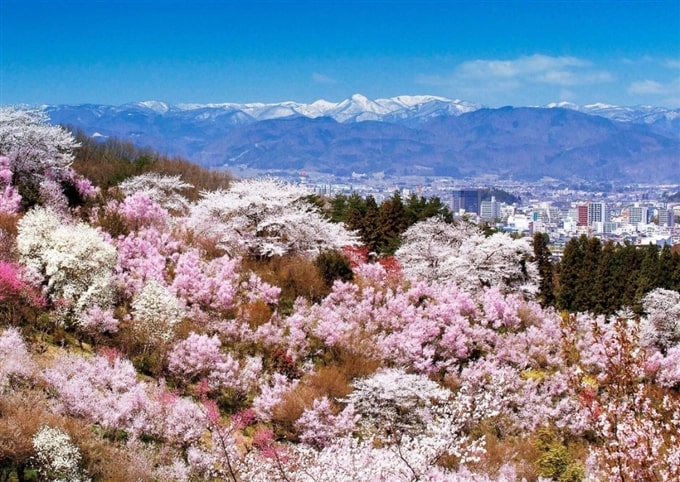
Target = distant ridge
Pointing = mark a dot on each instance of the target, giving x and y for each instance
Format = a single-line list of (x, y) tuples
[(404, 135)]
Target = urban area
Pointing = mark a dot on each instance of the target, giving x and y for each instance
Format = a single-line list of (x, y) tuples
[(639, 214)]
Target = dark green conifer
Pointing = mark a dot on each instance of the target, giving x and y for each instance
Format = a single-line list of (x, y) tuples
[(546, 291)]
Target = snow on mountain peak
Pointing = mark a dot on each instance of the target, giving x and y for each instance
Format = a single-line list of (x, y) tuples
[(410, 109), (154, 105)]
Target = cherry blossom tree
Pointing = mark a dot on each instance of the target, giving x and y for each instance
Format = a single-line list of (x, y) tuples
[(34, 146), (38, 156), (16, 362), (74, 260), (144, 256), (661, 327), (155, 313), (58, 458), (428, 244), (10, 199), (162, 190), (265, 217), (461, 254)]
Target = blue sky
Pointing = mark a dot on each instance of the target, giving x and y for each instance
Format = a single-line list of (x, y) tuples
[(491, 52)]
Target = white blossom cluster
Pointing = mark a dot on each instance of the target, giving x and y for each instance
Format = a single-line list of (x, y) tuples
[(162, 189), (661, 326), (156, 311), (265, 217), (32, 144), (57, 457), (461, 254), (74, 259)]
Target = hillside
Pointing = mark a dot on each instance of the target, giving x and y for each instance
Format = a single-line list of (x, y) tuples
[(153, 329)]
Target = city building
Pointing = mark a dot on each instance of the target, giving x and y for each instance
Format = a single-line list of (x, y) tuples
[(666, 217), (582, 215), (598, 212), (638, 214), (490, 210), (467, 200)]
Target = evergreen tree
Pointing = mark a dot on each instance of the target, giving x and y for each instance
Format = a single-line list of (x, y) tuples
[(546, 290), (627, 269), (339, 209), (419, 208), (649, 274), (569, 272), (665, 268), (392, 222), (370, 229), (586, 297), (607, 293)]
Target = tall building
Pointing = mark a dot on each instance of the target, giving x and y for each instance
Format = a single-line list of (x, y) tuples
[(666, 217), (638, 214), (582, 219), (598, 212), (490, 210), (468, 200)]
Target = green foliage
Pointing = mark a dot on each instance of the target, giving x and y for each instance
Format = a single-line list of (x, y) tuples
[(555, 460), (546, 289), (603, 279), (380, 227), (500, 195), (332, 265)]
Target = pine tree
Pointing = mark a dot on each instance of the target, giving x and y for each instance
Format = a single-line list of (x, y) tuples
[(608, 293), (666, 268), (628, 263), (649, 275), (392, 222), (370, 226), (586, 295), (569, 272), (546, 289)]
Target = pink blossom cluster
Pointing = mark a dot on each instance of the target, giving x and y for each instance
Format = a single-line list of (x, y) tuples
[(10, 199), (200, 357), (15, 360), (139, 211)]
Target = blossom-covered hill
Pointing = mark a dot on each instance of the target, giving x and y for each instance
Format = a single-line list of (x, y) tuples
[(151, 330)]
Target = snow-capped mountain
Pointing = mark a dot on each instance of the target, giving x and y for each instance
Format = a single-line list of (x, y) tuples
[(427, 135), (354, 109), (643, 114), (404, 109)]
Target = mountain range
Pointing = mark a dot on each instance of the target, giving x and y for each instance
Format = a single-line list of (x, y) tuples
[(405, 135)]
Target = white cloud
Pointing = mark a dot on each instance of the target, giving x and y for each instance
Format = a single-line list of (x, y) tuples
[(323, 78), (647, 87), (668, 93), (535, 68), (672, 64), (530, 79)]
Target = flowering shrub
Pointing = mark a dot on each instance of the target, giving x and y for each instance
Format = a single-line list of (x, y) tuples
[(16, 287), (155, 312), (10, 199), (57, 457), (319, 426), (139, 211), (265, 217), (15, 360), (162, 191), (74, 260)]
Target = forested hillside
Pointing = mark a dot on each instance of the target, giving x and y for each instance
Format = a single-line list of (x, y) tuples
[(162, 322)]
